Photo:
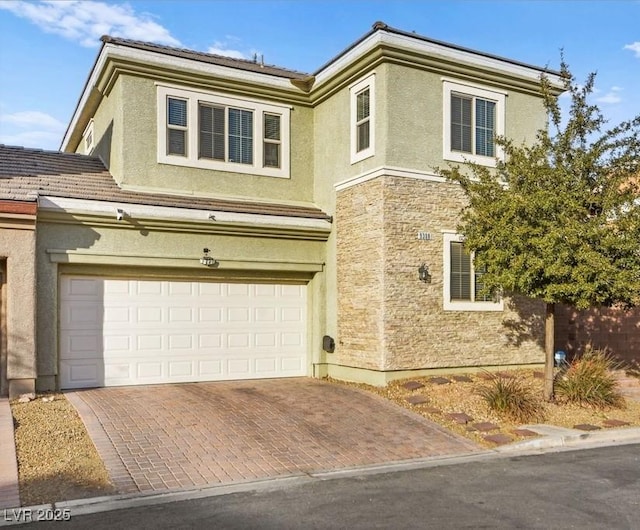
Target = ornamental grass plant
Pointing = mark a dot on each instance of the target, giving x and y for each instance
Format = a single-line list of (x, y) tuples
[(589, 381), (511, 398)]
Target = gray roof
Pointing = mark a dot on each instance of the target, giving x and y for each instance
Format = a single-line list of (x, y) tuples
[(26, 174), (220, 60)]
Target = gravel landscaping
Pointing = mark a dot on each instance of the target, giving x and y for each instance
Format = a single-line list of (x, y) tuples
[(56, 458), (453, 401)]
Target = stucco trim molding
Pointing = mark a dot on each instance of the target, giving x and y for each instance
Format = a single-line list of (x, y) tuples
[(140, 216), (388, 171), (191, 262), (17, 221)]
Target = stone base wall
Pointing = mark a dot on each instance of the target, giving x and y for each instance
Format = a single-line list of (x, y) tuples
[(618, 330), (407, 327), (360, 262)]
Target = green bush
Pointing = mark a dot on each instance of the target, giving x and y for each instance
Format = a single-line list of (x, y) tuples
[(589, 381), (512, 399)]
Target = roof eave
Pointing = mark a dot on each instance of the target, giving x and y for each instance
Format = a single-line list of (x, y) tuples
[(383, 35)]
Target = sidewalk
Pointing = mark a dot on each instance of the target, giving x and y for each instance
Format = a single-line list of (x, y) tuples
[(9, 493)]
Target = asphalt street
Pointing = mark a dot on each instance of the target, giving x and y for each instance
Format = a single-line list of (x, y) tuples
[(591, 488)]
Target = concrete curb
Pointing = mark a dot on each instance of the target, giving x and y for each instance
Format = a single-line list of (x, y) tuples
[(560, 440), (574, 438)]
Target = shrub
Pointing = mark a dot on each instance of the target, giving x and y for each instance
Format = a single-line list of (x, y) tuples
[(511, 398), (588, 381)]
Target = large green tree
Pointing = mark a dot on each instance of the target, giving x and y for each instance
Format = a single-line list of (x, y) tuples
[(558, 219)]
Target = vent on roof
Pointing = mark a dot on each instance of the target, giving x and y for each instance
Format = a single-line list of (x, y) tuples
[(88, 138)]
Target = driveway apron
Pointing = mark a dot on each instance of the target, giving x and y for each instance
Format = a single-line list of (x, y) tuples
[(195, 434)]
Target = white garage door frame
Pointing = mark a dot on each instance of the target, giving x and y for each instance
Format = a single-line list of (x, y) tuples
[(130, 331)]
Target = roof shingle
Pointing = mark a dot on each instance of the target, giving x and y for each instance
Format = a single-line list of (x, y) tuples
[(220, 60), (26, 174)]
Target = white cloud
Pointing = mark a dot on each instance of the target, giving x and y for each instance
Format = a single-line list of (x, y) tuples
[(30, 118), (634, 47), (37, 139), (222, 48), (611, 97), (86, 21), (31, 128)]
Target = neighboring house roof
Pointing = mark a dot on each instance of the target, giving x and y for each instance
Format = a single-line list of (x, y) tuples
[(220, 60), (26, 174)]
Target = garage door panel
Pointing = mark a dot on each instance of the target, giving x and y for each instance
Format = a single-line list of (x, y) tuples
[(127, 331), (89, 288), (81, 374)]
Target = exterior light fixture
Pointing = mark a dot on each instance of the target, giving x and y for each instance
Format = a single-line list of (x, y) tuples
[(424, 274), (119, 214), (207, 260)]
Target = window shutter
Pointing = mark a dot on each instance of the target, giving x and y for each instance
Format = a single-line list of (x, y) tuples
[(271, 127), (176, 126), (460, 264), (177, 112), (176, 144), (240, 136), (211, 132), (460, 123), (362, 102), (271, 140), (363, 123), (485, 127)]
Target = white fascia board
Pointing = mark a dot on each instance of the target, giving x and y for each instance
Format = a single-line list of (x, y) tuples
[(114, 51), (180, 63), (141, 211), (432, 48), (93, 78)]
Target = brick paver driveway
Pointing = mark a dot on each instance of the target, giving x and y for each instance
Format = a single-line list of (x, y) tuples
[(183, 435)]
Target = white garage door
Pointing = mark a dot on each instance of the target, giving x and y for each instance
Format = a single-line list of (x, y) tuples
[(131, 332)]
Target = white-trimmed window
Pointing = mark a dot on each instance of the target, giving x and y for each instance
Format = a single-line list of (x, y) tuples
[(89, 138), (215, 131), (463, 281), (473, 117), (362, 100)]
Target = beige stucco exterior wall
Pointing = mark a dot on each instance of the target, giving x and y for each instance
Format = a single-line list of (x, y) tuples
[(140, 169), (108, 132), (415, 126), (17, 249), (135, 251), (332, 164), (377, 223)]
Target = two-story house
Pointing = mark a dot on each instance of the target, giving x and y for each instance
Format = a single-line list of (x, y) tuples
[(214, 218)]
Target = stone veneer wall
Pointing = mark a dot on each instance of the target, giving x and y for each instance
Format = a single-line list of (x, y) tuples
[(391, 320), (360, 262)]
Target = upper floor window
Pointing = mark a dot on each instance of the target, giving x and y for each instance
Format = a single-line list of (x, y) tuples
[(463, 283), (212, 131), (362, 95), (473, 117), (176, 126)]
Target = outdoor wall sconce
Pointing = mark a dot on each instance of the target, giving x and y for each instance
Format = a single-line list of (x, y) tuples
[(424, 274), (207, 260), (119, 214)]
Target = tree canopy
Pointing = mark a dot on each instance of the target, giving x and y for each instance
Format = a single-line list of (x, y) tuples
[(558, 219)]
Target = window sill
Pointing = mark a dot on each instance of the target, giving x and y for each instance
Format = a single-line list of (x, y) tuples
[(227, 167), (463, 158), (362, 155), (474, 306)]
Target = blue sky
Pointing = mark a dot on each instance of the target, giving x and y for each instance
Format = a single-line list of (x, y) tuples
[(48, 48)]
